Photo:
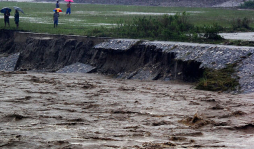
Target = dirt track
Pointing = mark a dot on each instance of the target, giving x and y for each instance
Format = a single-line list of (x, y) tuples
[(92, 111)]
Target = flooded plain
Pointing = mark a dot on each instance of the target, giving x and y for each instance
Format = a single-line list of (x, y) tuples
[(247, 36), (54, 110), (81, 19)]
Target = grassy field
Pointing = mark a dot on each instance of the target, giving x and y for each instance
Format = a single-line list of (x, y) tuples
[(38, 17)]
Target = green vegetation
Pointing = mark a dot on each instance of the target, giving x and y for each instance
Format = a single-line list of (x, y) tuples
[(174, 27), (247, 5), (240, 43), (218, 80), (211, 31), (166, 27), (146, 22), (241, 24)]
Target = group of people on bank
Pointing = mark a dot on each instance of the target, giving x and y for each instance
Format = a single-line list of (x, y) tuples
[(7, 18), (56, 14), (16, 15)]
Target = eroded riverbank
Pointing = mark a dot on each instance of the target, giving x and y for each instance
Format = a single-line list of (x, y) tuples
[(124, 58)]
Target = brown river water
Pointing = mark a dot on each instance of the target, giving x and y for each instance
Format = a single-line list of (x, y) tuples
[(53, 110)]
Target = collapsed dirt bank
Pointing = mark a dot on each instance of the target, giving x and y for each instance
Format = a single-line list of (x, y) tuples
[(52, 110), (123, 58)]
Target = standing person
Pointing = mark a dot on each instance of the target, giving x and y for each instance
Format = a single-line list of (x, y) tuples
[(57, 4), (6, 17), (16, 18), (55, 18), (68, 8)]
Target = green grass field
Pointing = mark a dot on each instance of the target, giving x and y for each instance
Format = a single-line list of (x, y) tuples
[(38, 17)]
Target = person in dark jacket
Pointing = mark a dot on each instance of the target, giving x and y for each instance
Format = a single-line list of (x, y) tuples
[(6, 17), (16, 18), (57, 4), (55, 18)]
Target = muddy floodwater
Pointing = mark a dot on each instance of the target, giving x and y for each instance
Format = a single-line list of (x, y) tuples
[(53, 110)]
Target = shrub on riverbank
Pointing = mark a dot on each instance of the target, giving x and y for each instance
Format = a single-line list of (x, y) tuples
[(241, 24), (163, 28), (248, 5), (218, 80), (176, 27)]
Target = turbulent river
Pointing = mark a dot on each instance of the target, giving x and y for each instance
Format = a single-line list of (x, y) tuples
[(58, 110)]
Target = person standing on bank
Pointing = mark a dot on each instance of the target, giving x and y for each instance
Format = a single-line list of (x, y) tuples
[(57, 4), (68, 8), (6, 17), (16, 18), (55, 18)]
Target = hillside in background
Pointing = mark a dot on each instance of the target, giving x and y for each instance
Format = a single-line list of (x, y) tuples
[(167, 3)]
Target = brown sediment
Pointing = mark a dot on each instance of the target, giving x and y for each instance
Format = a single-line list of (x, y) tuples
[(196, 121), (105, 116)]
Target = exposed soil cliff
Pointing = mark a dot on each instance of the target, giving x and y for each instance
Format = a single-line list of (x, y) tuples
[(138, 62), (122, 58)]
